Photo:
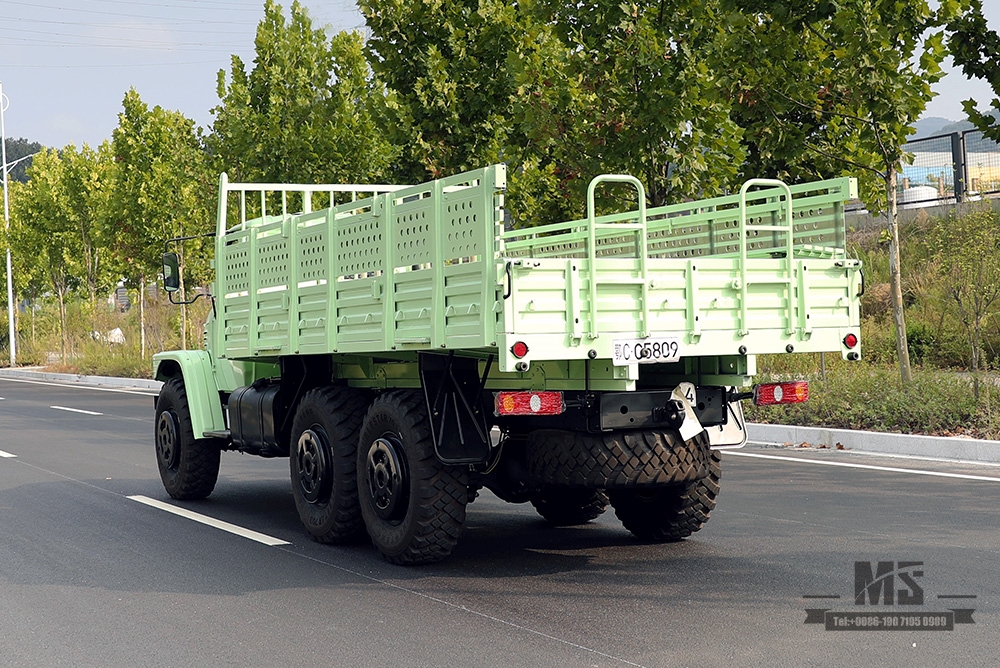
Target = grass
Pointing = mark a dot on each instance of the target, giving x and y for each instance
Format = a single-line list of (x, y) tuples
[(40, 343), (870, 397)]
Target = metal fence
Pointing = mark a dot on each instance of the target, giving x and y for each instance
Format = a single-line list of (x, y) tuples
[(957, 167)]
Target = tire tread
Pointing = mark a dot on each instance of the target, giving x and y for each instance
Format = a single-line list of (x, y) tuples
[(198, 467)]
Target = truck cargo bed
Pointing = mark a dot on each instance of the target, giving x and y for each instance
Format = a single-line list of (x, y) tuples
[(431, 268)]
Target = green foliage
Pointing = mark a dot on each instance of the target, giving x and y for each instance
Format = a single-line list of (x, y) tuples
[(944, 260), (88, 350), (163, 188), (976, 49), (966, 250), (559, 93), (306, 113), (43, 231), (449, 97), (835, 81), (623, 87)]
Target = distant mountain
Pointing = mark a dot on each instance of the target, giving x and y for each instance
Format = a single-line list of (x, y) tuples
[(961, 126), (935, 125), (928, 127)]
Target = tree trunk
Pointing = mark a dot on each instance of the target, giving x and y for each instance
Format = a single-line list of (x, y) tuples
[(895, 281), (142, 316), (976, 339), (62, 324)]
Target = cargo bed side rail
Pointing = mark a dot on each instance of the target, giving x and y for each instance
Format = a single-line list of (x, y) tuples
[(709, 227), (767, 225)]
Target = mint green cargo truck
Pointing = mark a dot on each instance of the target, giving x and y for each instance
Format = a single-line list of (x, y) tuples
[(405, 347)]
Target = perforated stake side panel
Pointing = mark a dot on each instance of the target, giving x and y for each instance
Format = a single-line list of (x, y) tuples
[(410, 270)]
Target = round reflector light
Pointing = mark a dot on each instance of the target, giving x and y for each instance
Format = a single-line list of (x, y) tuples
[(851, 340), (519, 349)]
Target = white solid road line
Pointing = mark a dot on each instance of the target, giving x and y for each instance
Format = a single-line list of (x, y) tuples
[(7, 455), (81, 386), (871, 467), (75, 410), (210, 521)]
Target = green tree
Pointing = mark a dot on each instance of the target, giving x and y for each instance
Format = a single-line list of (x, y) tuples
[(163, 189), (43, 233), (28, 276), (306, 112), (606, 86), (444, 63), (870, 67), (559, 93), (86, 181), (967, 249)]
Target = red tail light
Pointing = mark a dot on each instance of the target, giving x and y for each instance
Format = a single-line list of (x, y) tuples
[(519, 349), (771, 394), (851, 340), (529, 403)]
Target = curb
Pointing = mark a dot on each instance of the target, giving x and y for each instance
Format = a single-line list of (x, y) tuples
[(35, 373), (938, 447)]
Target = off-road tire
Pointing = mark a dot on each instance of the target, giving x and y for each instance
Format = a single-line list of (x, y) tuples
[(669, 513), (322, 463), (426, 512), (189, 466), (615, 460), (570, 506)]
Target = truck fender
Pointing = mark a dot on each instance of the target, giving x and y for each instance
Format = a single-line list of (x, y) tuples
[(195, 367)]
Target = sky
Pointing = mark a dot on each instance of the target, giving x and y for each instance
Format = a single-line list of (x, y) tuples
[(65, 65)]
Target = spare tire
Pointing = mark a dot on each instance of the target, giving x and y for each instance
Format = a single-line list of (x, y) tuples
[(616, 460), (672, 513), (570, 506)]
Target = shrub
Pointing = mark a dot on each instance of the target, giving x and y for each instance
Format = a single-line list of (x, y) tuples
[(869, 397)]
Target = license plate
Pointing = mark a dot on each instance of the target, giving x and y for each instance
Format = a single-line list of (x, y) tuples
[(645, 351)]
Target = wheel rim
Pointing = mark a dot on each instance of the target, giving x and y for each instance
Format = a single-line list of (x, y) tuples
[(388, 482), (313, 460), (168, 440)]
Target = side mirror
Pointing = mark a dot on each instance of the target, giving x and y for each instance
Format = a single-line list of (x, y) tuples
[(171, 273)]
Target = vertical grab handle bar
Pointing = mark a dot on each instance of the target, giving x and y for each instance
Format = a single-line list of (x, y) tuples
[(640, 246), (789, 241)]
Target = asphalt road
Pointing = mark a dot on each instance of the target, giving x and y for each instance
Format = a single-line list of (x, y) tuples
[(92, 576)]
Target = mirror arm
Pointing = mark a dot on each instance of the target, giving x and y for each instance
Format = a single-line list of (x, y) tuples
[(166, 244), (170, 296)]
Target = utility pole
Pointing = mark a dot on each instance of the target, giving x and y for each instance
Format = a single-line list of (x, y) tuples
[(4, 103)]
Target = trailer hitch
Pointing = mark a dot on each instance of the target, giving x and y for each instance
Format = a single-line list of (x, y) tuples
[(671, 414)]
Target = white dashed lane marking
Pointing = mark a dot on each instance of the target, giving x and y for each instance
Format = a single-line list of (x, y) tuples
[(75, 410), (210, 521)]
